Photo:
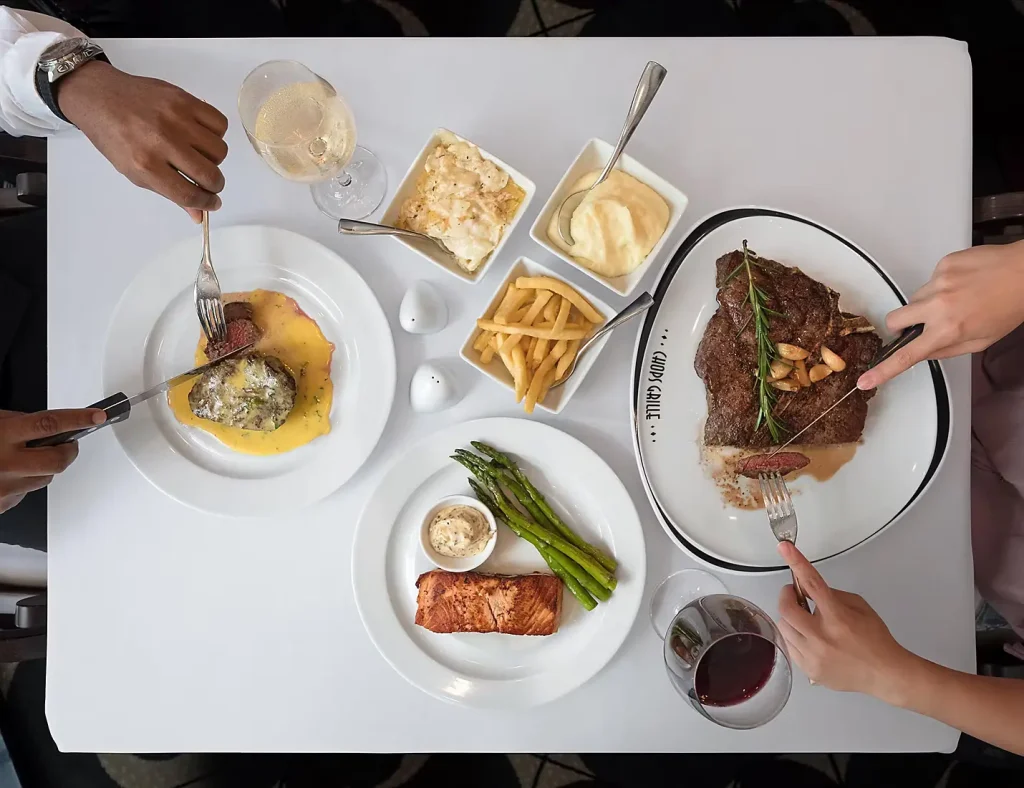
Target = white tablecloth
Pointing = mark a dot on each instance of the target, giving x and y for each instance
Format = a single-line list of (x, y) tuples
[(172, 630)]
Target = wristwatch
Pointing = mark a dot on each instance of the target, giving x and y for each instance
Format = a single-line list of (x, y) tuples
[(59, 60)]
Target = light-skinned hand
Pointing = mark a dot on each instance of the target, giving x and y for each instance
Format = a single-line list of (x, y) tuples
[(22, 469), (974, 298), (844, 644), (153, 132)]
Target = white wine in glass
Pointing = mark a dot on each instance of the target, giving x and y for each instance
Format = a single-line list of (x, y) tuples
[(305, 132)]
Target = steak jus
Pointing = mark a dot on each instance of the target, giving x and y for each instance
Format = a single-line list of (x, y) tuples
[(809, 316)]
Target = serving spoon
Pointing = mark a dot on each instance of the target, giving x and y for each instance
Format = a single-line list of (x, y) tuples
[(352, 227), (650, 81), (640, 304)]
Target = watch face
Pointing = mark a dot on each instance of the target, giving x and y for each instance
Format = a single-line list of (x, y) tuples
[(62, 49)]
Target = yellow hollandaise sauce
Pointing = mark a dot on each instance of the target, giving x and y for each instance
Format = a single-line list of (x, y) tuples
[(292, 336)]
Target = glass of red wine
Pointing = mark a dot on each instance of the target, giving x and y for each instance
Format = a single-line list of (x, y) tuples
[(725, 656)]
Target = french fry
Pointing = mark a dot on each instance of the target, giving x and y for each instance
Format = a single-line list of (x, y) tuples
[(488, 352), (512, 302), (551, 310), (562, 318), (559, 349), (564, 290), (566, 359), (521, 329), (549, 379), (533, 393), (507, 360), (518, 315), (510, 293), (483, 340), (543, 296), (530, 348), (520, 373)]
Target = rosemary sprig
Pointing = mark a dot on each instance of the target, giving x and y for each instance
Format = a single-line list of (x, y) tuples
[(761, 317)]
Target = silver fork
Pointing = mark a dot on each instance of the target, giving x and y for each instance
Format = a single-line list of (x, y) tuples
[(782, 519), (207, 294)]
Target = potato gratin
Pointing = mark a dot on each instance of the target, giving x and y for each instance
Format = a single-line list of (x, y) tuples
[(463, 200)]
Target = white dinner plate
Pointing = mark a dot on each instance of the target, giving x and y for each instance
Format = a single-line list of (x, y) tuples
[(153, 337), (905, 437), (492, 670)]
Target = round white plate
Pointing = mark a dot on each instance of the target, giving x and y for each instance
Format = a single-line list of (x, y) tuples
[(153, 337), (905, 436), (491, 670)]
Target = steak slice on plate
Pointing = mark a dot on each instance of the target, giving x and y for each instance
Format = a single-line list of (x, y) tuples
[(809, 317), (782, 463)]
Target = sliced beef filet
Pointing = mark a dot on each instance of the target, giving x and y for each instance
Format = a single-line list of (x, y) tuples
[(809, 317), (241, 329)]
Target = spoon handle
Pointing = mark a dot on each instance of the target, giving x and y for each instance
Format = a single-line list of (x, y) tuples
[(638, 306), (650, 81), (352, 227)]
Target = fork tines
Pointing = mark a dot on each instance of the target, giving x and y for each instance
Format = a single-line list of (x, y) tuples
[(776, 494), (211, 317)]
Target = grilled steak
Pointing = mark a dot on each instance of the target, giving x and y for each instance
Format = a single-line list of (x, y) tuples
[(784, 462), (477, 602), (241, 329), (254, 392), (809, 317)]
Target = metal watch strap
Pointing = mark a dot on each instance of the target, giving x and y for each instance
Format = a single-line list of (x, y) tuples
[(48, 90)]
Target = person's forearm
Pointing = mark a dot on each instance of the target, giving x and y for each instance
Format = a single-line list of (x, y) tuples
[(988, 708)]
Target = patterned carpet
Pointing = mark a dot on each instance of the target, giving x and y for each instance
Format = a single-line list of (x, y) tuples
[(994, 30)]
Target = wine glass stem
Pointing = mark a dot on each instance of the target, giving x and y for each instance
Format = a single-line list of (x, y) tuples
[(344, 179)]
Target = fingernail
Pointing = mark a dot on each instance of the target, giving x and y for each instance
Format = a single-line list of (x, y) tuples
[(866, 382), (99, 417)]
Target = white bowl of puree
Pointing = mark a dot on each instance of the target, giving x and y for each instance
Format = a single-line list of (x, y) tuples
[(458, 533), (621, 226)]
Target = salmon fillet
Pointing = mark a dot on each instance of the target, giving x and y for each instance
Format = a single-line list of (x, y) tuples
[(477, 602)]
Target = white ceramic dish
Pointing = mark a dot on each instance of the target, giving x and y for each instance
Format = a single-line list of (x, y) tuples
[(153, 336), (447, 562), (905, 436), (407, 188), (594, 156), (492, 670), (557, 398)]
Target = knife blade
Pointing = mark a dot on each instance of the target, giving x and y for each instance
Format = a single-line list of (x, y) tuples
[(118, 407), (905, 338)]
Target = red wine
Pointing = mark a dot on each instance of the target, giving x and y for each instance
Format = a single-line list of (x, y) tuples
[(734, 669)]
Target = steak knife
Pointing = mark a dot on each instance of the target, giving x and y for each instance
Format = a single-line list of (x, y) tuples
[(909, 335), (118, 407)]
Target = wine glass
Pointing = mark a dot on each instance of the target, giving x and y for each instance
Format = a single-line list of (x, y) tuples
[(722, 653), (304, 130)]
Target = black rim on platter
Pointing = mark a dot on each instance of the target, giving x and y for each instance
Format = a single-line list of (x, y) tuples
[(696, 235)]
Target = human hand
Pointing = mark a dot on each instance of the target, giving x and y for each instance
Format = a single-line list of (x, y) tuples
[(154, 133), (22, 469), (843, 644), (974, 298)]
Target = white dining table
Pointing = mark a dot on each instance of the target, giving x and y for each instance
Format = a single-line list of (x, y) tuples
[(175, 630)]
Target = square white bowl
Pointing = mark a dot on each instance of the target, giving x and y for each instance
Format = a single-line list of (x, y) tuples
[(594, 156), (407, 189), (557, 398)]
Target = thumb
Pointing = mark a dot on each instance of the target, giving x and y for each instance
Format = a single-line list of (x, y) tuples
[(813, 584)]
